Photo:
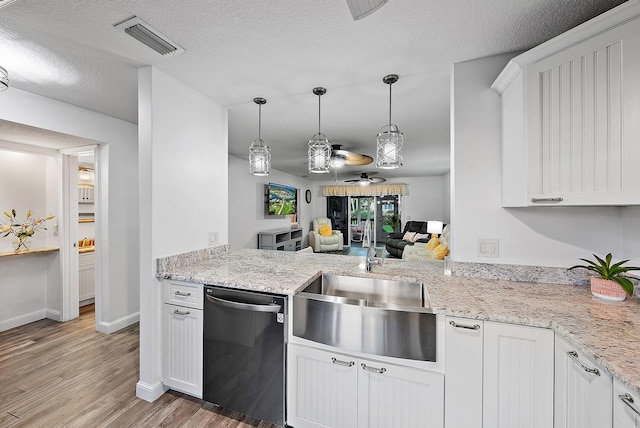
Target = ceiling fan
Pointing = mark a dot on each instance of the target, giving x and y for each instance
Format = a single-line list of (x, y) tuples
[(365, 179), (340, 157)]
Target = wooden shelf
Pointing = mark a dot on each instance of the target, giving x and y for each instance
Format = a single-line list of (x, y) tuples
[(86, 220), (33, 251)]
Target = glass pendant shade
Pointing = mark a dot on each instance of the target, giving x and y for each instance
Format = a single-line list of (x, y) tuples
[(389, 153), (4, 79), (390, 139), (319, 146), (259, 152), (319, 154)]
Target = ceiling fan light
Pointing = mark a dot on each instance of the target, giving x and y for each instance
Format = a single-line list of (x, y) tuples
[(4, 79), (389, 153), (259, 152), (319, 154)]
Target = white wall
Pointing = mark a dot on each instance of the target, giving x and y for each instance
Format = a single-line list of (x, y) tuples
[(446, 197), (544, 236), (247, 214), (118, 234), (183, 178)]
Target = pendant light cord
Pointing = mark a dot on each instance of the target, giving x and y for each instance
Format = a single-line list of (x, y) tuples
[(260, 123), (319, 114), (390, 104)]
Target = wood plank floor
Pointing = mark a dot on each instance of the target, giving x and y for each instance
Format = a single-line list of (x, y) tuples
[(68, 375)]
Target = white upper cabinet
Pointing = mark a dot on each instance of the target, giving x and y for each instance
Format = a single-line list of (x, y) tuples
[(571, 116)]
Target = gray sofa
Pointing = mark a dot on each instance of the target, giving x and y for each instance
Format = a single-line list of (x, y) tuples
[(395, 245)]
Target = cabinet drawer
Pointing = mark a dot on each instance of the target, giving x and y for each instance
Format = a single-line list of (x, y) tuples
[(183, 294), (626, 406)]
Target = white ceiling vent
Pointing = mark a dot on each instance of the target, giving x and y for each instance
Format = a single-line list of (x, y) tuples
[(5, 3), (146, 34)]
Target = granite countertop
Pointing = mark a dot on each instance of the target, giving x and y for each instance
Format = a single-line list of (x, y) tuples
[(608, 333)]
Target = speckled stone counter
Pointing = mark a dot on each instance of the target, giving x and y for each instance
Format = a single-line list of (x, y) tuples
[(608, 333)]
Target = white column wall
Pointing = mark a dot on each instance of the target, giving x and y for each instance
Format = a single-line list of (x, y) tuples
[(543, 236), (247, 204), (183, 176)]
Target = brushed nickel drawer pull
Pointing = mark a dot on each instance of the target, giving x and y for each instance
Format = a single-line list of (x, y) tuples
[(342, 363), (182, 294), (468, 327), (574, 356), (628, 401), (178, 312), (372, 369), (534, 200)]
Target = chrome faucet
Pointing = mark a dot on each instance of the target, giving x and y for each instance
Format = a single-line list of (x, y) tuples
[(371, 256)]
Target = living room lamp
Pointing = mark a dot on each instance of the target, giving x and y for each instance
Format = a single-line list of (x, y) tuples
[(319, 146), (259, 152), (4, 79), (390, 139), (434, 227)]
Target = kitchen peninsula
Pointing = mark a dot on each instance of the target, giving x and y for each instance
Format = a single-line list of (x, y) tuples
[(607, 333)]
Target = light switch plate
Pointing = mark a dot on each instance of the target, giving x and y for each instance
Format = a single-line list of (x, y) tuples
[(488, 248), (213, 238)]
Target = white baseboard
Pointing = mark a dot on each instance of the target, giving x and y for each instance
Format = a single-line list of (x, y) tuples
[(54, 315), (22, 319), (148, 392), (119, 324)]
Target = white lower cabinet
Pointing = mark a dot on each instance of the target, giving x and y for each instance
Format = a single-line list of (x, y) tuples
[(182, 338), (626, 407), (517, 376), (463, 341), (582, 391), (327, 389)]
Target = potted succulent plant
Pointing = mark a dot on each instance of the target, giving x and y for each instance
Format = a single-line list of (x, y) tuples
[(609, 284)]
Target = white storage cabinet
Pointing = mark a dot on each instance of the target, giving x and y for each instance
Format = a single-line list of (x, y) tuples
[(328, 389), (463, 372), (87, 276), (182, 335), (517, 376), (570, 121), (626, 406), (582, 390)]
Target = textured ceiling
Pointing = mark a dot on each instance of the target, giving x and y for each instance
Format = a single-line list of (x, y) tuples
[(281, 49)]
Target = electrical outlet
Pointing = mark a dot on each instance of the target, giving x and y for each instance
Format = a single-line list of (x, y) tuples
[(213, 238), (488, 248)]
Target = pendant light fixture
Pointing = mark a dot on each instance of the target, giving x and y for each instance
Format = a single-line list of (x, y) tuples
[(4, 79), (390, 139), (319, 146), (259, 152)]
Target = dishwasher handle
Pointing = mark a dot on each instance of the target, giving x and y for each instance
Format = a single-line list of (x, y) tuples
[(271, 307)]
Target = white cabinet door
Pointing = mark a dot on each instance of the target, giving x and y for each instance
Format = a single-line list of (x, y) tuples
[(518, 376), (583, 390), (582, 121), (394, 396), (322, 388), (463, 373), (626, 407), (182, 330)]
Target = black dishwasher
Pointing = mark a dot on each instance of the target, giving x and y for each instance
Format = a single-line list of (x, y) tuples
[(244, 352)]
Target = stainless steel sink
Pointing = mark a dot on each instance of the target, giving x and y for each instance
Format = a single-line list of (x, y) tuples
[(373, 316)]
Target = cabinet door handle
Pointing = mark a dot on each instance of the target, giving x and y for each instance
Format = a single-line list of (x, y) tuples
[(372, 369), (342, 363), (178, 312), (182, 293), (628, 401), (574, 356), (534, 200), (468, 327)]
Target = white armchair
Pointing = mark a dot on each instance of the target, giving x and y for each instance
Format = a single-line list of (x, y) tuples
[(321, 243)]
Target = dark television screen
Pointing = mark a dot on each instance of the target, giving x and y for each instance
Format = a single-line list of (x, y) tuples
[(283, 199)]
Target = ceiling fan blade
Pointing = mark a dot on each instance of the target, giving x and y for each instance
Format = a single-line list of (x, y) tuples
[(352, 181), (377, 179), (350, 158)]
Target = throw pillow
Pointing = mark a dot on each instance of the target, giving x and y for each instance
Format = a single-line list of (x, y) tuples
[(439, 252), (420, 236), (433, 242), (408, 236), (325, 230)]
